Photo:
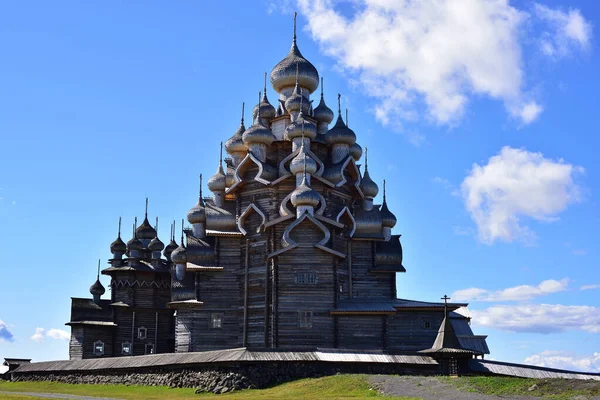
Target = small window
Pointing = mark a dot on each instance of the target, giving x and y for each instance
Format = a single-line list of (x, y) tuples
[(98, 348), (216, 320), (427, 325), (306, 278), (126, 349), (305, 319), (149, 348), (142, 333)]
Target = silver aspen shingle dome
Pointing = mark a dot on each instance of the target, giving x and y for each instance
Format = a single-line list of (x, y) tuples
[(97, 288), (388, 219), (340, 134), (217, 181), (179, 255), (170, 248), (323, 113), (284, 73), (156, 245), (145, 230), (258, 134), (298, 163), (303, 195), (118, 246), (356, 151), (235, 142), (301, 127), (368, 187)]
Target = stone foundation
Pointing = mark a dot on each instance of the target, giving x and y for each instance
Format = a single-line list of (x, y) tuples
[(224, 378)]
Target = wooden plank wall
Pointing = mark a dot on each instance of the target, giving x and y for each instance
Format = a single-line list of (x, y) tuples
[(361, 331), (407, 332)]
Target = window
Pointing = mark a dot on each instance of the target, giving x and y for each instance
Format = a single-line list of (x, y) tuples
[(126, 349), (98, 348), (306, 278), (216, 320), (427, 325), (149, 348), (142, 332), (305, 319)]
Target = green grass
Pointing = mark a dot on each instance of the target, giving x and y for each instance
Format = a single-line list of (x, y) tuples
[(329, 387), (557, 389)]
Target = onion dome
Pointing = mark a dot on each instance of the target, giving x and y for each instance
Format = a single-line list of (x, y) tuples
[(323, 113), (235, 143), (156, 244), (301, 161), (297, 102), (258, 133), (388, 220), (197, 214), (216, 183), (340, 133), (179, 255), (135, 243), (303, 195), (267, 111), (118, 246), (284, 73), (172, 244), (301, 127), (145, 230), (97, 289), (368, 187), (356, 151)]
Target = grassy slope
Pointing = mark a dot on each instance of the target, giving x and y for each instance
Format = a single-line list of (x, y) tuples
[(330, 387), (557, 389)]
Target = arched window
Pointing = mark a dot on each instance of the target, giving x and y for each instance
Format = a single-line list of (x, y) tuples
[(126, 348), (98, 348), (142, 333)]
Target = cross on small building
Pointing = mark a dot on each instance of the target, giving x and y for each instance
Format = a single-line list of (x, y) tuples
[(445, 298)]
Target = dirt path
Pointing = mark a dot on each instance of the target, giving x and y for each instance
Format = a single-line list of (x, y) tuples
[(429, 388), (56, 396)]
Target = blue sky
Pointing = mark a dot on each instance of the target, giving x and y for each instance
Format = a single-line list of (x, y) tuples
[(481, 115)]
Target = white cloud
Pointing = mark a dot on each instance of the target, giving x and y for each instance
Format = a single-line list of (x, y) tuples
[(58, 334), (580, 252), (529, 112), (567, 31), (38, 336), (539, 318), (5, 334), (514, 184), (590, 287), (438, 53), (52, 333), (565, 360), (516, 293)]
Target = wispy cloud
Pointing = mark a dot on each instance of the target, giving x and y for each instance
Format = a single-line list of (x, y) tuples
[(41, 334), (590, 287), (580, 252), (5, 334), (515, 293), (514, 184), (567, 31), (539, 318), (565, 360)]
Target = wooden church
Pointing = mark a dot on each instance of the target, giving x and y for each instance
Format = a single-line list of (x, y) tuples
[(289, 253)]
